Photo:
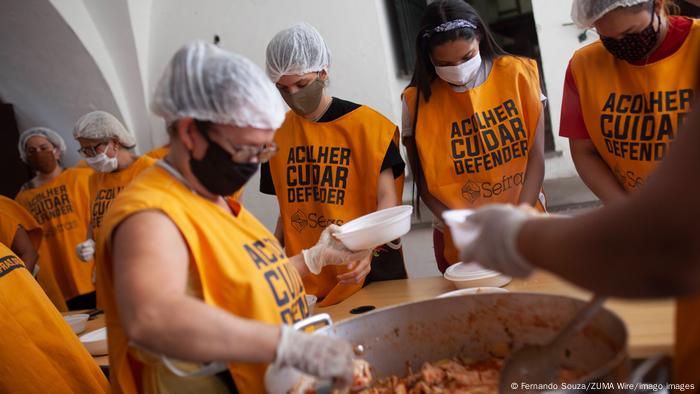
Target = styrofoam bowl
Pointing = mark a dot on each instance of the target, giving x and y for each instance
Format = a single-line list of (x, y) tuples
[(473, 290), (465, 275), (77, 322), (376, 228), (311, 302), (95, 341), (460, 235)]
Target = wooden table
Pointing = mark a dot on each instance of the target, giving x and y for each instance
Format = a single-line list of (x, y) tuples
[(650, 323)]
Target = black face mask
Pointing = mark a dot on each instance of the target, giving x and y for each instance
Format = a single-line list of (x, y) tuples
[(218, 173), (634, 46)]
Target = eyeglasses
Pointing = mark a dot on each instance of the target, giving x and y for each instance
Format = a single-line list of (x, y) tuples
[(246, 153), (91, 151)]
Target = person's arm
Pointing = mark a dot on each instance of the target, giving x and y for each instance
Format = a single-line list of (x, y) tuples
[(645, 245), (24, 249), (279, 230), (435, 205), (594, 172), (534, 172), (197, 332), (386, 190)]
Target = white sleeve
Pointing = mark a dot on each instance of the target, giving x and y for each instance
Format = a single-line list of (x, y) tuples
[(406, 125)]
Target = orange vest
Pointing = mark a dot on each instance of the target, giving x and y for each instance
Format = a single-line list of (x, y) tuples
[(327, 173), (241, 269), (61, 209), (632, 113), (13, 215), (473, 146), (105, 186), (39, 353)]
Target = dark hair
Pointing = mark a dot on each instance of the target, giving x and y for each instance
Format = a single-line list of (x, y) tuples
[(437, 13)]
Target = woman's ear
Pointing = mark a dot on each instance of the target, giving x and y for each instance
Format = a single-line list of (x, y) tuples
[(184, 129), (323, 75)]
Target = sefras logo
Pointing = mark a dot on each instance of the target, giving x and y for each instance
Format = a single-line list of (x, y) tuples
[(299, 221), (471, 191)]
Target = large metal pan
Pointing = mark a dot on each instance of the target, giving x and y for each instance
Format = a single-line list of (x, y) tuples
[(482, 326)]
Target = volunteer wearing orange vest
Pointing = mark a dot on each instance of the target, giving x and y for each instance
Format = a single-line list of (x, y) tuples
[(39, 353), (21, 232), (476, 134), (107, 148), (625, 97), (58, 199), (189, 275), (338, 160), (626, 94)]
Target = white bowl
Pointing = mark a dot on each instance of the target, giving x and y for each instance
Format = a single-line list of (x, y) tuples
[(461, 236), (376, 228), (95, 342), (473, 290), (473, 275), (77, 322), (311, 302)]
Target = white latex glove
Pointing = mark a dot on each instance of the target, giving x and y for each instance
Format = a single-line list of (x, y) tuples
[(287, 380), (85, 250), (316, 355), (330, 251), (490, 237)]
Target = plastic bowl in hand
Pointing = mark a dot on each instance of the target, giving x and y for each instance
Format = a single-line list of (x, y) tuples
[(376, 229), (95, 342), (77, 322), (460, 235)]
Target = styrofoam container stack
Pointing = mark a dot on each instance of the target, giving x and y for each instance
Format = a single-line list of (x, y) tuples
[(376, 229), (473, 275)]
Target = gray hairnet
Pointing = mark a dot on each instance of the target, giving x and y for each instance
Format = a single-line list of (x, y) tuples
[(205, 82), (586, 12), (297, 50), (53, 137), (98, 125)]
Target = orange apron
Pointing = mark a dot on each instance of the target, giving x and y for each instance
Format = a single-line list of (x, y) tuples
[(241, 268), (327, 173), (39, 353), (61, 209), (473, 146), (632, 113)]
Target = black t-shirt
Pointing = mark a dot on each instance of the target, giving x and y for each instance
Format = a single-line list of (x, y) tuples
[(338, 108)]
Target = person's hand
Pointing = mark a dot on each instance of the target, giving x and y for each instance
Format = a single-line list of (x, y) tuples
[(85, 250), (329, 251), (287, 380), (358, 270), (489, 237), (317, 355)]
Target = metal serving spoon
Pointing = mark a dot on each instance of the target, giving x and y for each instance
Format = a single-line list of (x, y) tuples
[(540, 364)]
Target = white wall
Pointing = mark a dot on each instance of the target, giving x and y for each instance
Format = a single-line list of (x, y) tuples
[(47, 73), (558, 40)]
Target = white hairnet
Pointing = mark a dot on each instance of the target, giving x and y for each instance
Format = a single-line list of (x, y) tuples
[(205, 82), (98, 125), (53, 137), (297, 50), (586, 12)]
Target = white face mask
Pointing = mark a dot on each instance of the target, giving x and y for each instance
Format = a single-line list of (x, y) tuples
[(460, 74), (102, 163)]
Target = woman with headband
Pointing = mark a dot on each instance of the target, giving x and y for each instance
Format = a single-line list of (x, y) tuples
[(473, 120)]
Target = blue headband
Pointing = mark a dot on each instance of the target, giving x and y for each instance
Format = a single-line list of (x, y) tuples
[(449, 25)]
